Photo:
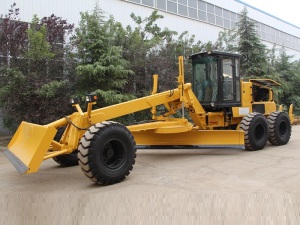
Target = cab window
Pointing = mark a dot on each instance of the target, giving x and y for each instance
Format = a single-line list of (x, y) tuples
[(205, 77)]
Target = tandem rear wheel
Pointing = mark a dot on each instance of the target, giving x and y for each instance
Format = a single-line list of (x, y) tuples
[(280, 128), (259, 129), (255, 126), (107, 153)]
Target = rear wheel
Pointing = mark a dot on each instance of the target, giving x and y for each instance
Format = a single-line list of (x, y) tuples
[(256, 130), (280, 128), (107, 153), (67, 159)]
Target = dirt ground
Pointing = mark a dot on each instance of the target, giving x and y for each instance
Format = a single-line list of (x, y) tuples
[(206, 186)]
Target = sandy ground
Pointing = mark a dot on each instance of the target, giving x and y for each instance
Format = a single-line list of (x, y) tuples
[(211, 186)]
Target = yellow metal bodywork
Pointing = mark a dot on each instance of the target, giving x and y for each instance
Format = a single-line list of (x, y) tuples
[(30, 144), (291, 114), (184, 134), (246, 94), (194, 138), (33, 143), (247, 99), (215, 119)]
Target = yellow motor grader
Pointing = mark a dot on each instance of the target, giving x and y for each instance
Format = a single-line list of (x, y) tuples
[(224, 111)]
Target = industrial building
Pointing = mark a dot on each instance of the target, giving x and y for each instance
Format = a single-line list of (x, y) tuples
[(204, 19)]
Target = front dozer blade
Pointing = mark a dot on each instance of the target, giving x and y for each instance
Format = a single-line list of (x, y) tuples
[(28, 146)]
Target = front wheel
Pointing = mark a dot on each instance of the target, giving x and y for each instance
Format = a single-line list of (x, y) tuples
[(107, 153), (256, 130), (280, 128)]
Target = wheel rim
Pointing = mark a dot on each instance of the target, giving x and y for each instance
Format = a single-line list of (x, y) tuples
[(283, 128), (259, 132), (113, 155)]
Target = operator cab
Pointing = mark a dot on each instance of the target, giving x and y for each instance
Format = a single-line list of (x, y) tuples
[(216, 79)]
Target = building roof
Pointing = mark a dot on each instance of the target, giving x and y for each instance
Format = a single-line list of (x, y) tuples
[(246, 4)]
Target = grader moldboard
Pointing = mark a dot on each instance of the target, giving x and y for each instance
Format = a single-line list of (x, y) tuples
[(226, 112)]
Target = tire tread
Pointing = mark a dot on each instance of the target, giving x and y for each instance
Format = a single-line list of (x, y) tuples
[(246, 125), (86, 154)]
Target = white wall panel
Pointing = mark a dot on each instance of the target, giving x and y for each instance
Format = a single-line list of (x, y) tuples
[(121, 10), (67, 9), (257, 15)]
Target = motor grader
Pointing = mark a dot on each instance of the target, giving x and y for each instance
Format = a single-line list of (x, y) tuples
[(224, 112)]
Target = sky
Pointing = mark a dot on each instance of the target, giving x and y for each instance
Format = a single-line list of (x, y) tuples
[(287, 10)]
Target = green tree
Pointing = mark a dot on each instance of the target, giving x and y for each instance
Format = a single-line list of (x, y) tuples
[(284, 65), (227, 41), (287, 72), (58, 31), (101, 68), (294, 97), (163, 60), (39, 47), (12, 86), (37, 94), (141, 41), (254, 53), (152, 50)]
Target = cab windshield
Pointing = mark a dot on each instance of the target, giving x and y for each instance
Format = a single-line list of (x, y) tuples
[(205, 79)]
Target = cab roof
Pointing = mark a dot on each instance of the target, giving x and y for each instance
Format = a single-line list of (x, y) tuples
[(215, 53), (265, 82)]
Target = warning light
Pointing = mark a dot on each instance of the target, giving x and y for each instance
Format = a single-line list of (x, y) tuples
[(91, 98), (74, 100)]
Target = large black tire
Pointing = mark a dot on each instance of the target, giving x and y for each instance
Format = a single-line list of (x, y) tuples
[(67, 159), (107, 153), (255, 126), (280, 128)]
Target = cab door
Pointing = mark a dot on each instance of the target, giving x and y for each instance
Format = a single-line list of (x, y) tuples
[(229, 92)]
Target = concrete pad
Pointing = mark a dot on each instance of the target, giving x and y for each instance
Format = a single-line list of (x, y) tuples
[(211, 186)]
